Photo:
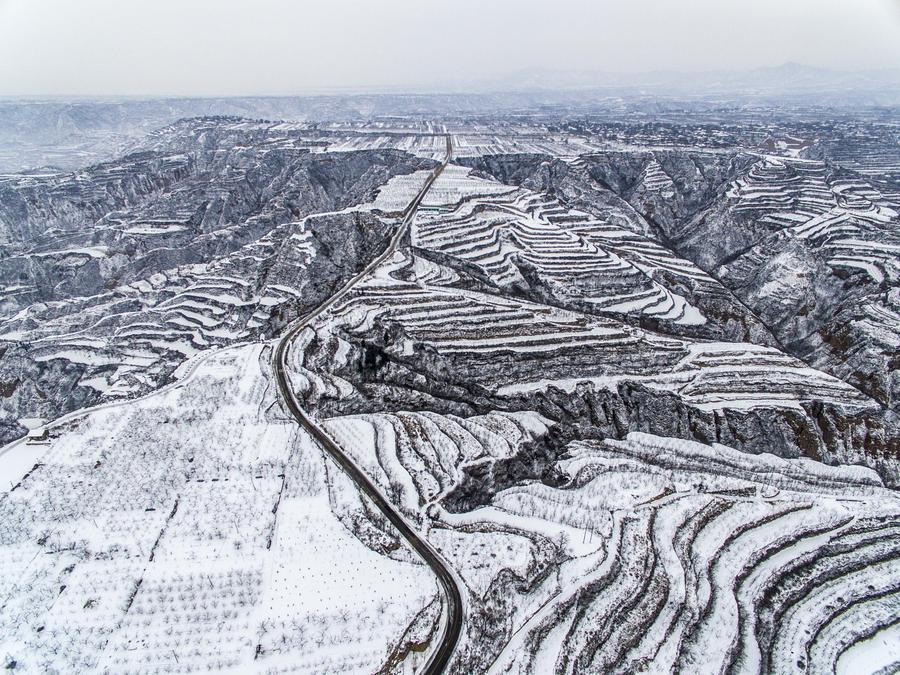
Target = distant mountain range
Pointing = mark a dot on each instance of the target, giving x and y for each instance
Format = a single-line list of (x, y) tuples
[(786, 79)]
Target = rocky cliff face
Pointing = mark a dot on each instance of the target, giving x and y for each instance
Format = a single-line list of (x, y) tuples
[(201, 190)]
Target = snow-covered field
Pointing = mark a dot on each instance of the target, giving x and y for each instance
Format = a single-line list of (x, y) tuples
[(456, 184), (581, 260), (430, 146), (201, 529), (655, 554), (398, 192), (529, 140)]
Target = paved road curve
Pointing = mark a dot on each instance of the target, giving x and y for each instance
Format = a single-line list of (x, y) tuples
[(452, 600)]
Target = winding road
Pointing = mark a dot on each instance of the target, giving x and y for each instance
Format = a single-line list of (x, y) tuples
[(452, 599)]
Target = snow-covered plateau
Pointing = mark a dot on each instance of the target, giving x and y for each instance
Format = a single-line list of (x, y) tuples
[(396, 386)]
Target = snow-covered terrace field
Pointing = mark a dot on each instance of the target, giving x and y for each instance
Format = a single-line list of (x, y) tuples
[(540, 142), (428, 146), (200, 529), (184, 311), (660, 552), (582, 259), (852, 223), (456, 184)]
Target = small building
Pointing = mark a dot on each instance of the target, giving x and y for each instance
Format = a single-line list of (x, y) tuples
[(37, 431), (39, 435)]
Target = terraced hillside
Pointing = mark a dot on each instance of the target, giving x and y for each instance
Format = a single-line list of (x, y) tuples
[(618, 492), (809, 246), (631, 378), (551, 536), (447, 325), (529, 243), (220, 231), (647, 553)]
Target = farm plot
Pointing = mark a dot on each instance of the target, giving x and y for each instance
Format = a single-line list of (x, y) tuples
[(711, 559), (653, 553), (398, 192), (509, 347), (522, 239), (200, 529), (526, 141), (429, 146), (455, 184)]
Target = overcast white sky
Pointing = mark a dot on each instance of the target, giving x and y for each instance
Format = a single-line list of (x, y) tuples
[(210, 47)]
